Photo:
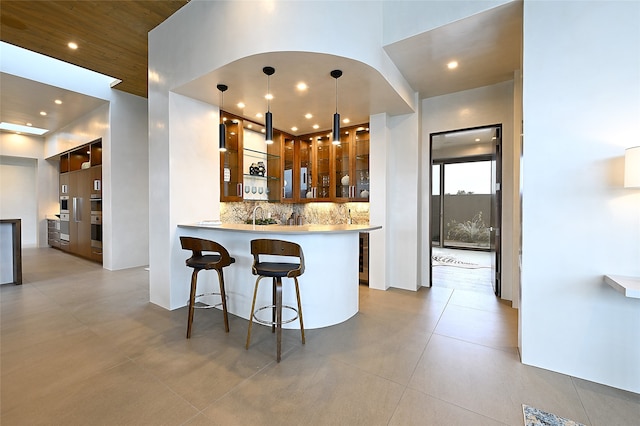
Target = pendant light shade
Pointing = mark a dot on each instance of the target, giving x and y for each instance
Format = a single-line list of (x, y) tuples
[(222, 129), (336, 117), (268, 120)]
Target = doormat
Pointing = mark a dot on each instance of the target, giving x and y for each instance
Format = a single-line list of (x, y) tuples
[(447, 260), (536, 417)]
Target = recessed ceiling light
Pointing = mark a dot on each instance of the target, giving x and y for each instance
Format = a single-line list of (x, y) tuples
[(308, 115), (58, 102), (249, 126), (19, 128), (29, 124), (477, 139), (315, 126), (346, 121), (259, 115), (268, 96), (452, 65), (294, 129), (72, 45), (241, 105), (43, 113), (302, 86)]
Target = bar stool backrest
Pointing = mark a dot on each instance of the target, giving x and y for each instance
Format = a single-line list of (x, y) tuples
[(198, 245), (272, 247)]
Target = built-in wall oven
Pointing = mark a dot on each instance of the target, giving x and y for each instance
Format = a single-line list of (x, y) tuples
[(96, 223), (64, 217)]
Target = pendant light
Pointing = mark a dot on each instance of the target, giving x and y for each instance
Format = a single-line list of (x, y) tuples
[(222, 129), (336, 117), (268, 120)]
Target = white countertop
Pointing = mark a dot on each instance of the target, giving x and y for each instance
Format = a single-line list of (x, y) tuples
[(629, 286), (281, 229), (52, 217)]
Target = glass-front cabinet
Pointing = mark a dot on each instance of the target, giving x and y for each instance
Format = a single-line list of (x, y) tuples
[(351, 165), (231, 161), (250, 168), (306, 168), (361, 164), (321, 175)]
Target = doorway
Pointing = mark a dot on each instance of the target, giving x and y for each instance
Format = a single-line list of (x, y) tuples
[(466, 209)]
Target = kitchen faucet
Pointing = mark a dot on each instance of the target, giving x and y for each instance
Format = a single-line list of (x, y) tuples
[(254, 213)]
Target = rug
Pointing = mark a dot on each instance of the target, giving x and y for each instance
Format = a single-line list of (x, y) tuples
[(536, 417), (447, 260)]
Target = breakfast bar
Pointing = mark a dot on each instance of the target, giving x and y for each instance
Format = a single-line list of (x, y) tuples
[(328, 287)]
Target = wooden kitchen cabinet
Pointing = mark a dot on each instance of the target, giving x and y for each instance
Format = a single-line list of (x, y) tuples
[(351, 160), (250, 169), (338, 173), (80, 181)]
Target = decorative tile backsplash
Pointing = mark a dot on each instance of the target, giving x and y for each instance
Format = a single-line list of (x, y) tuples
[(312, 213)]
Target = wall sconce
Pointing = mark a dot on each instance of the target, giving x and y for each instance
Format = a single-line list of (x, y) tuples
[(632, 167), (336, 117), (222, 129), (268, 120)]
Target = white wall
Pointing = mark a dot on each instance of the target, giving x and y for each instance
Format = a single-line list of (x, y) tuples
[(473, 108), (45, 193), (403, 163), (581, 96), (18, 200), (125, 175)]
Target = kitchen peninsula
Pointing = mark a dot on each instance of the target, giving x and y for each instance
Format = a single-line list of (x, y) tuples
[(328, 287)]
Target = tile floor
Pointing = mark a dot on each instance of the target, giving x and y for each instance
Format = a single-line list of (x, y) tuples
[(81, 345)]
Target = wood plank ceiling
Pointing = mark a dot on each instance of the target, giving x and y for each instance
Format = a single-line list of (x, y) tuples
[(111, 35)]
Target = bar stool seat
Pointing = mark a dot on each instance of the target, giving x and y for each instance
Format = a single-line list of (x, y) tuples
[(276, 271), (198, 262)]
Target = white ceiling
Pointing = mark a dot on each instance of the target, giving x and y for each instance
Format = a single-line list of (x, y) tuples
[(22, 100), (487, 47)]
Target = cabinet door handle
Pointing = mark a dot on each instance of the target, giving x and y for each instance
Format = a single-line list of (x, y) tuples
[(77, 209), (239, 188)]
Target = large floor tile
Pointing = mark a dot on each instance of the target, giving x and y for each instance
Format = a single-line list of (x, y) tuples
[(607, 406), (492, 382), (387, 349), (123, 395), (484, 327), (416, 408), (52, 366), (309, 389)]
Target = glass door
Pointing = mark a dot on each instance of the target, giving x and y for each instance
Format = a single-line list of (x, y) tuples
[(322, 176), (361, 154), (231, 179)]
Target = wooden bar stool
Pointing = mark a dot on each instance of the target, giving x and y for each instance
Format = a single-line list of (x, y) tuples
[(276, 270), (198, 262)]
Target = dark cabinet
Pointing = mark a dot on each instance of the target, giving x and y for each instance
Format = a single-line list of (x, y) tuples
[(80, 188), (249, 168)]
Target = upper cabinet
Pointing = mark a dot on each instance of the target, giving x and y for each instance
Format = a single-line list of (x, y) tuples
[(337, 173), (250, 169), (83, 157), (351, 159), (301, 169)]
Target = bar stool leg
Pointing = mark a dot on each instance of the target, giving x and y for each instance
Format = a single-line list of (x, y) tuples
[(278, 303), (274, 305), (224, 299), (192, 300), (253, 307), (299, 308)]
